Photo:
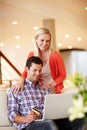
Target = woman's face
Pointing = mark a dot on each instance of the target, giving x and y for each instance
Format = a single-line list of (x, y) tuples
[(43, 42)]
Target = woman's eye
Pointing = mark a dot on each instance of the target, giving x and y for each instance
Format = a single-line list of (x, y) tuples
[(42, 40), (48, 41)]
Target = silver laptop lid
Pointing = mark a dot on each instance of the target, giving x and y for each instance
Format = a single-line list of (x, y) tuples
[(56, 105)]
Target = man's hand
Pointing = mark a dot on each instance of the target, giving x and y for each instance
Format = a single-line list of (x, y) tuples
[(31, 117)]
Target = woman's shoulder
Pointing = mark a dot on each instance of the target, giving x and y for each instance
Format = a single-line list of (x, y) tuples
[(55, 53), (31, 53)]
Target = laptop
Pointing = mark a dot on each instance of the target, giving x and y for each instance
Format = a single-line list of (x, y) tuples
[(56, 106)]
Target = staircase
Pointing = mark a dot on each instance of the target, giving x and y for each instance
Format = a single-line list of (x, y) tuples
[(8, 72)]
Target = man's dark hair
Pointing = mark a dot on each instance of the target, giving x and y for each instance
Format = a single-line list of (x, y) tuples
[(33, 59)]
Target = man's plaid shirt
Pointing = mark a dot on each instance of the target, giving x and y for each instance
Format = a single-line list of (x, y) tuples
[(22, 103)]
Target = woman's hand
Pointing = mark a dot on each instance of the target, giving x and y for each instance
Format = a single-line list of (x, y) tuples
[(18, 86), (46, 85), (50, 86)]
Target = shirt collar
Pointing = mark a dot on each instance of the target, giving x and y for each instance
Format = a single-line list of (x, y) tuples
[(32, 84)]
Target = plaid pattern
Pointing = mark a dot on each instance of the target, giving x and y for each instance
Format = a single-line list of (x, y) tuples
[(24, 101)]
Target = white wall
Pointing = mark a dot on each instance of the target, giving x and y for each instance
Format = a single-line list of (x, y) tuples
[(75, 61)]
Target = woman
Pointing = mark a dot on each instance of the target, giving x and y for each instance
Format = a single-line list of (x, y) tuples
[(53, 72)]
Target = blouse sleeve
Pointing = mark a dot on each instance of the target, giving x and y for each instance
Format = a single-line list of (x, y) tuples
[(57, 69)]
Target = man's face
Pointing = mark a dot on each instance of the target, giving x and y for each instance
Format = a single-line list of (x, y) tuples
[(34, 72)]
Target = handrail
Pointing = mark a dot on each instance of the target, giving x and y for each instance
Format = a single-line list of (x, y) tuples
[(0, 72), (9, 62)]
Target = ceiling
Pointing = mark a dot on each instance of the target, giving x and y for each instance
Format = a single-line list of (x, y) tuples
[(70, 18)]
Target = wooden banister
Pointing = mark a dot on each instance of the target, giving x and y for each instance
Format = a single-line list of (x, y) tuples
[(0, 72), (9, 62)]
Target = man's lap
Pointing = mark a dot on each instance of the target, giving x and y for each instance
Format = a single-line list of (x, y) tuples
[(40, 125)]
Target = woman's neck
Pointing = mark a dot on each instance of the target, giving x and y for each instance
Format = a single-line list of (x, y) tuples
[(44, 56)]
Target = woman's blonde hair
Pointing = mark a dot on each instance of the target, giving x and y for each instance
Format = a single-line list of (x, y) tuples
[(39, 32), (42, 31)]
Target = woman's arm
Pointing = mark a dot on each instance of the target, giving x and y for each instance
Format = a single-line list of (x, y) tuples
[(58, 71), (20, 84)]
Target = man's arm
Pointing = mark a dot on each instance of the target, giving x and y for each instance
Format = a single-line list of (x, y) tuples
[(13, 111), (25, 119)]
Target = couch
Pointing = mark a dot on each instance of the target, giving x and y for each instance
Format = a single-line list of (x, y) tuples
[(4, 121)]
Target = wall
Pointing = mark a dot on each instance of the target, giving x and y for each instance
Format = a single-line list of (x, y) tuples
[(75, 61)]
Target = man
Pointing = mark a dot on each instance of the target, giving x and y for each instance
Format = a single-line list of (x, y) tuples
[(22, 106)]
